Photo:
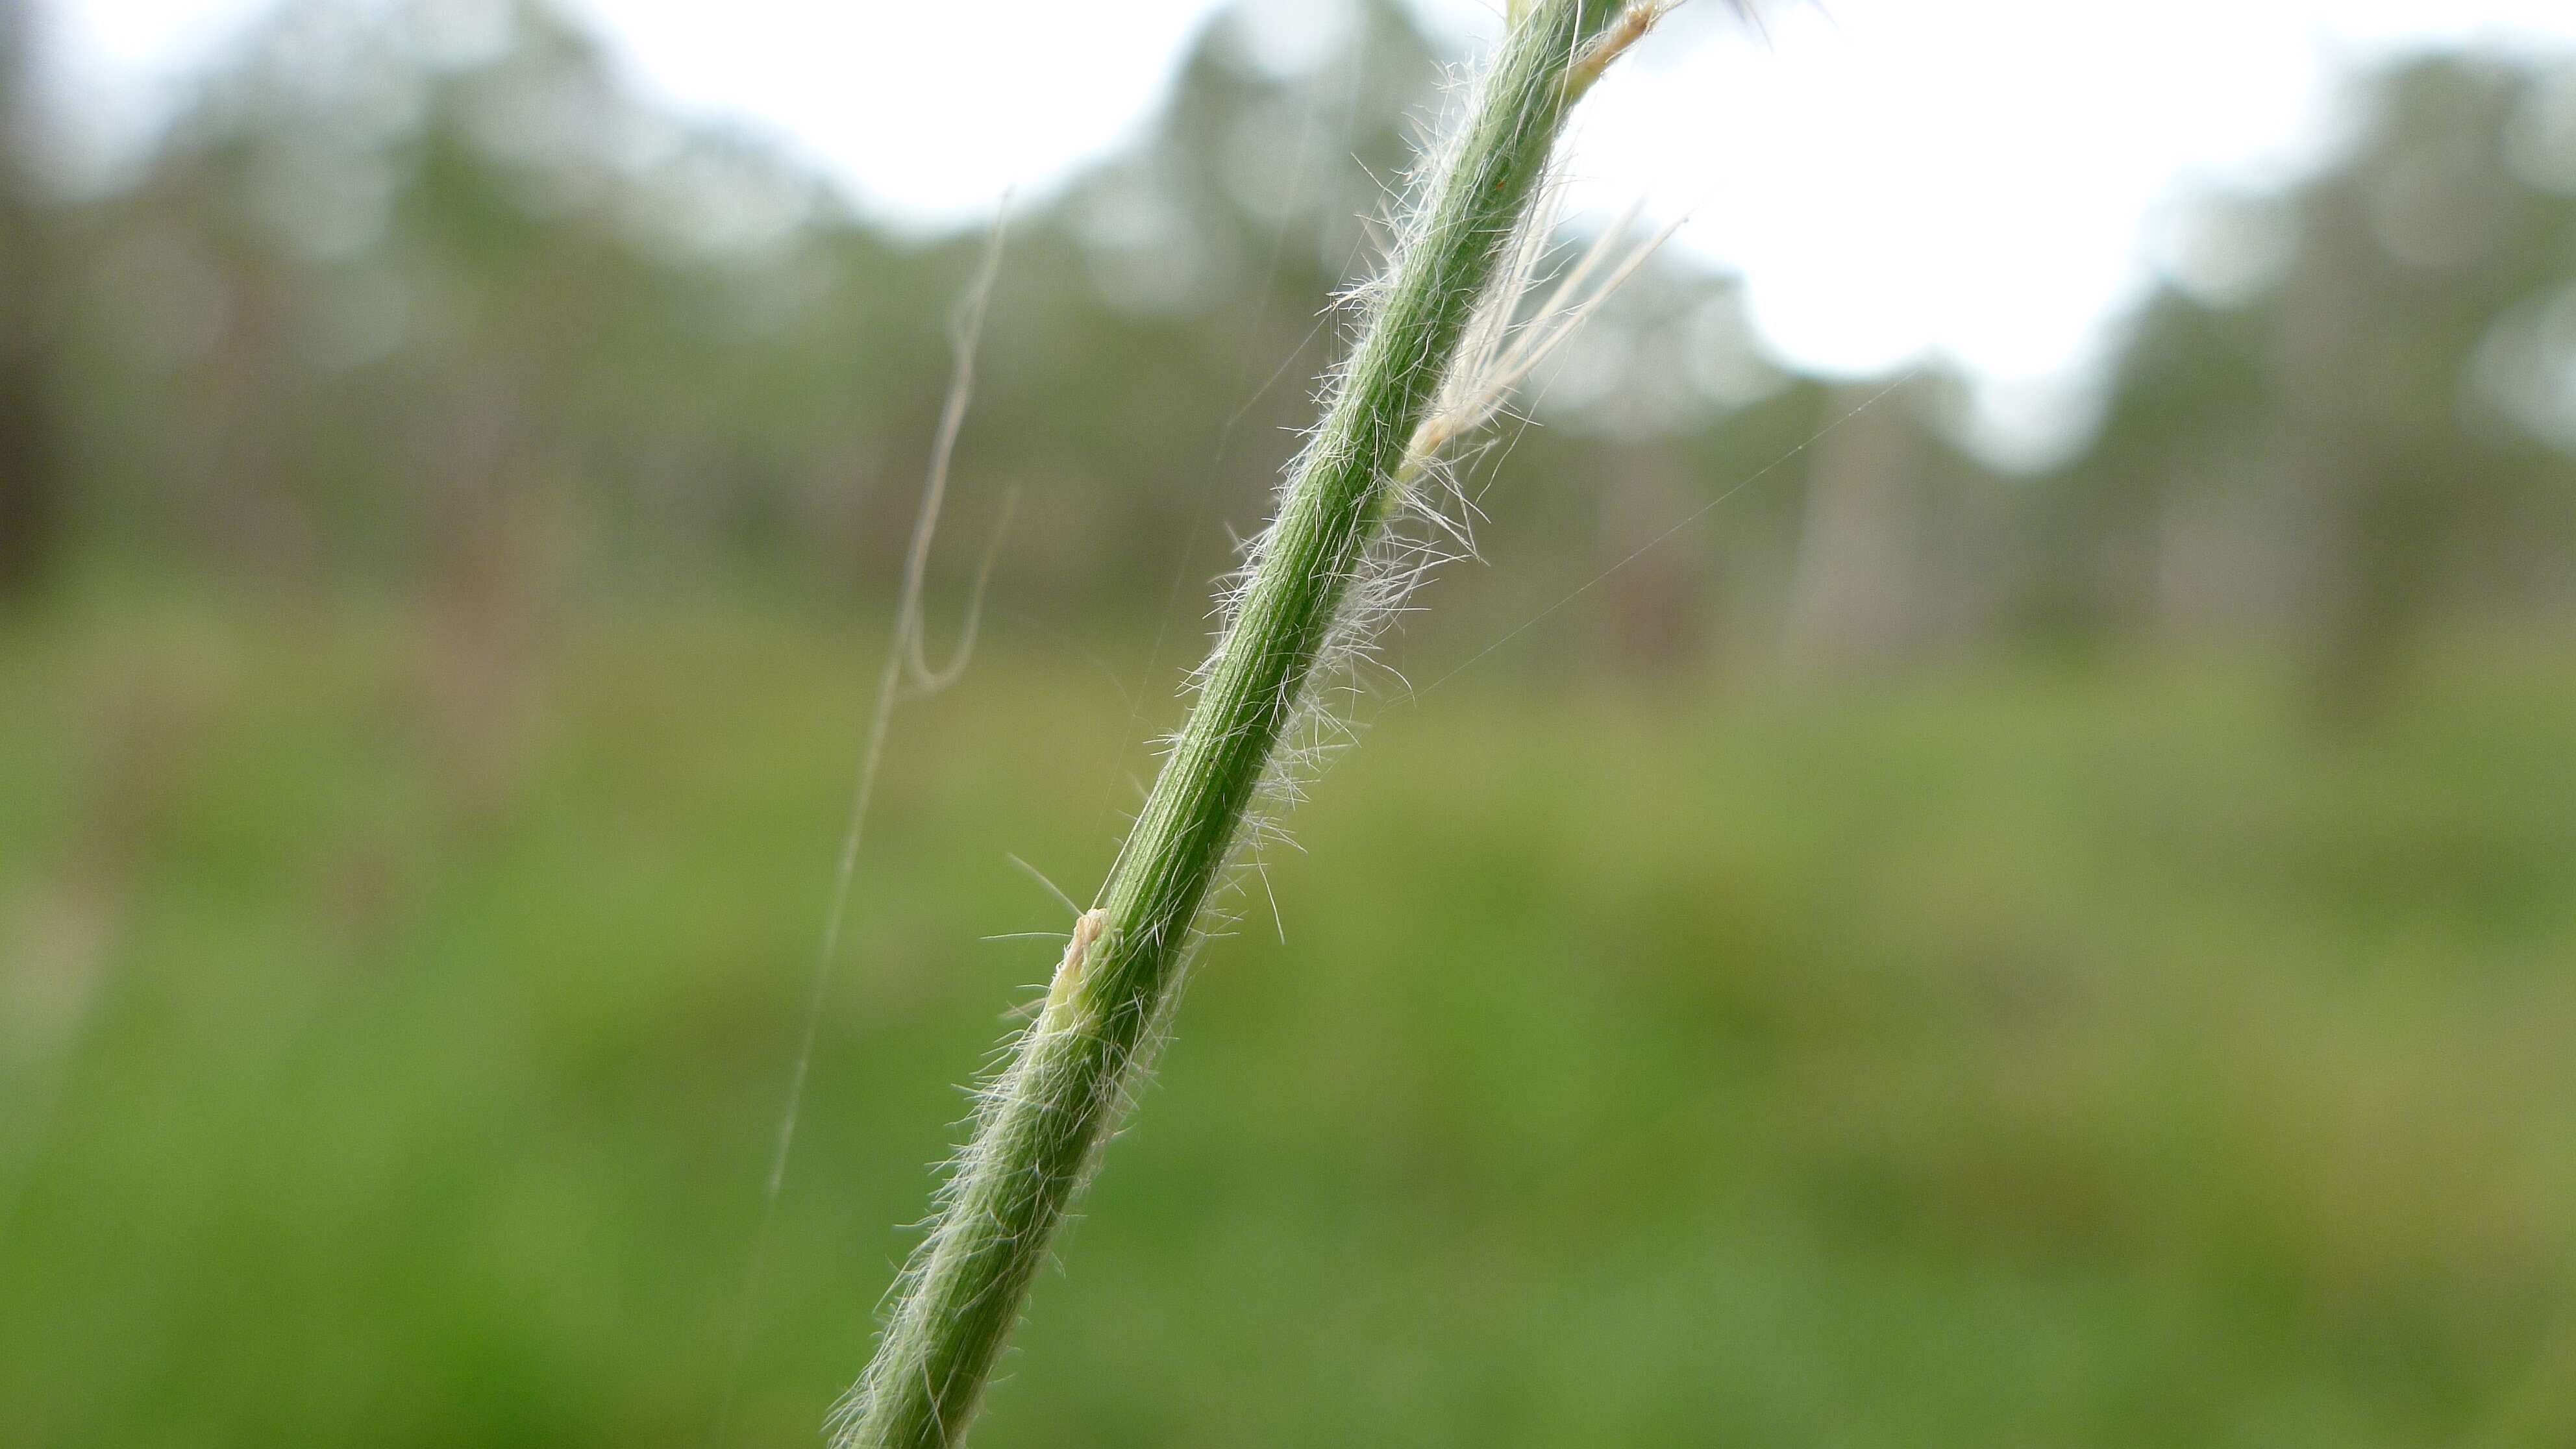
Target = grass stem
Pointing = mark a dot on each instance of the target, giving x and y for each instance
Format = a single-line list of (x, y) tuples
[(1041, 1125)]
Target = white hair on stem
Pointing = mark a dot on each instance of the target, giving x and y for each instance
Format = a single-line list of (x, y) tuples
[(1354, 530), (1505, 342)]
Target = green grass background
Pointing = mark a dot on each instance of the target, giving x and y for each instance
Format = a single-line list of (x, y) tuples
[(398, 1017)]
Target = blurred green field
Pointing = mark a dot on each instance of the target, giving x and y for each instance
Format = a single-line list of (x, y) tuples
[(397, 1020)]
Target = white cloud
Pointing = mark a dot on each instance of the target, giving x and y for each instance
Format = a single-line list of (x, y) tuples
[(1985, 181), (926, 112)]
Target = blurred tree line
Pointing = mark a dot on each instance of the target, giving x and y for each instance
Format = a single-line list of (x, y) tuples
[(417, 292)]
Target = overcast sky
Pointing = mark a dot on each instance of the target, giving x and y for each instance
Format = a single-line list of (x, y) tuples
[(1988, 181)]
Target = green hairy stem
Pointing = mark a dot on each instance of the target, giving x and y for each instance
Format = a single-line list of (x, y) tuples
[(1043, 1121)]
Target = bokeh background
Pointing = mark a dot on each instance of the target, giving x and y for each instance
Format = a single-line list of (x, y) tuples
[(1828, 939)]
